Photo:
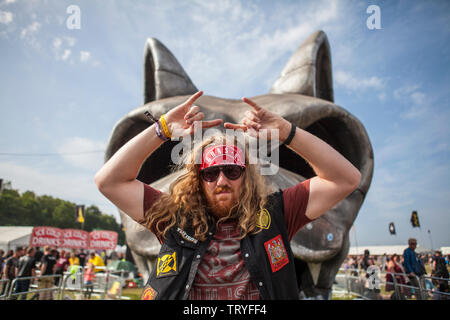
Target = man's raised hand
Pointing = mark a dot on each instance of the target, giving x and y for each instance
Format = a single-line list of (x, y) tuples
[(257, 119), (180, 120)]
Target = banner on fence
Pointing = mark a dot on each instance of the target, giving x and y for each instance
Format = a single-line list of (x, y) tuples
[(46, 236), (73, 238), (102, 240)]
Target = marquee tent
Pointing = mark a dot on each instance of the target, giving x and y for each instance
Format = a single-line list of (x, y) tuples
[(389, 250), (12, 237)]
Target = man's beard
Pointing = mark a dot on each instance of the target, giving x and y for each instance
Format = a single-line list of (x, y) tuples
[(221, 209)]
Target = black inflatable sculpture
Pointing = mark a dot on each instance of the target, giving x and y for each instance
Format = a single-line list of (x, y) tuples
[(303, 94)]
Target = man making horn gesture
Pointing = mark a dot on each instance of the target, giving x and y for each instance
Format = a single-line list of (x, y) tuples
[(224, 232)]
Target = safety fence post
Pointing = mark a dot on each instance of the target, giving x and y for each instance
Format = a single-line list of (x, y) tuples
[(5, 288)]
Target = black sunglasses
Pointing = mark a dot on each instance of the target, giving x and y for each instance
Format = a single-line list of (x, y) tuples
[(232, 172)]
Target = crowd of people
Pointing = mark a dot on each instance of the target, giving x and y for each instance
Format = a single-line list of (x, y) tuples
[(44, 264), (408, 269)]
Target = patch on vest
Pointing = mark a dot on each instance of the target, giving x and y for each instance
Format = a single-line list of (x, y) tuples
[(277, 253), (167, 265), (149, 293), (186, 236), (263, 219)]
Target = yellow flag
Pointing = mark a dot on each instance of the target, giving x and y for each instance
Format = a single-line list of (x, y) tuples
[(80, 214)]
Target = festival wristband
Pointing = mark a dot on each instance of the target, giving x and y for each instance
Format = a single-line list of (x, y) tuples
[(159, 133), (164, 125)]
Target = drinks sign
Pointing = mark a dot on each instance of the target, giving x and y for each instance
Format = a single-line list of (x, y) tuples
[(46, 236), (73, 238), (102, 240)]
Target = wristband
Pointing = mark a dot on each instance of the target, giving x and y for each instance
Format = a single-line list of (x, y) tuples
[(148, 114), (291, 135), (164, 125), (159, 133)]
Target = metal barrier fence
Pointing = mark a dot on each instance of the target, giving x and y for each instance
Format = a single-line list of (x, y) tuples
[(107, 284), (370, 286), (5, 288)]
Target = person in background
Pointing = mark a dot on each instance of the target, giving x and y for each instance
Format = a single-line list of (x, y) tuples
[(61, 266), (38, 256), (439, 270), (394, 267), (82, 256), (104, 256), (9, 271), (97, 261), (74, 260), (365, 260), (9, 253), (2, 262), (384, 261), (89, 275), (25, 268), (413, 266), (48, 267)]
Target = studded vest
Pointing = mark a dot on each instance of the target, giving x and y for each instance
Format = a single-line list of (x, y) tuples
[(267, 256)]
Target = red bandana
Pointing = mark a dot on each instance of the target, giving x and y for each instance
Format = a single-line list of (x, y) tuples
[(221, 155)]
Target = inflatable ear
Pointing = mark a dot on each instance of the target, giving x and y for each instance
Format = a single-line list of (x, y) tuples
[(163, 75), (308, 72)]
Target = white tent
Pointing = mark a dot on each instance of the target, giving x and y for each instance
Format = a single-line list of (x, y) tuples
[(12, 237), (389, 250), (445, 250)]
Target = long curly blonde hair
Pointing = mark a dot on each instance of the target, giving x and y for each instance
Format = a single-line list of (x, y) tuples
[(185, 204)]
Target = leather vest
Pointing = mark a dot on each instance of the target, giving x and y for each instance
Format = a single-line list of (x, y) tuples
[(267, 256)]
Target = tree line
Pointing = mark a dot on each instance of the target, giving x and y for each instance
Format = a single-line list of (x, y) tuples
[(28, 209)]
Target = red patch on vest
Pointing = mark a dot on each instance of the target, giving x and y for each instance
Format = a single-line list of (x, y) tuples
[(277, 253), (149, 294)]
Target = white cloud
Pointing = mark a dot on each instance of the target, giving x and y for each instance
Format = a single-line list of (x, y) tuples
[(29, 34), (30, 30), (85, 56), (62, 48), (352, 82), (6, 17), (65, 54), (239, 37), (89, 161), (416, 100), (406, 90), (57, 43)]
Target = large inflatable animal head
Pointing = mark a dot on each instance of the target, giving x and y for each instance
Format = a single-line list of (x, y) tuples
[(303, 94)]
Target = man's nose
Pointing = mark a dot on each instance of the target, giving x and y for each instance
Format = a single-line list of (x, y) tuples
[(222, 180)]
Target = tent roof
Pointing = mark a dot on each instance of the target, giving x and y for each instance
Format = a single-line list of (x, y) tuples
[(9, 234), (380, 250)]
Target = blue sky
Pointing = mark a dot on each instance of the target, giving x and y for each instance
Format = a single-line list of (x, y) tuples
[(62, 90)]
